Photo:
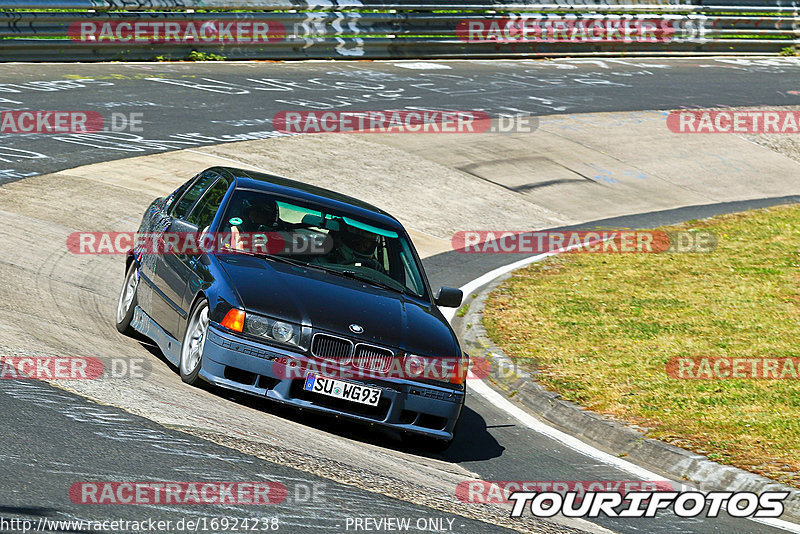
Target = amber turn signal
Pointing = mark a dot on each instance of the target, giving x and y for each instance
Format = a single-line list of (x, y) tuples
[(234, 320)]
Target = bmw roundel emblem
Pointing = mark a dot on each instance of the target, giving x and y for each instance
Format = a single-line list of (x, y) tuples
[(356, 328)]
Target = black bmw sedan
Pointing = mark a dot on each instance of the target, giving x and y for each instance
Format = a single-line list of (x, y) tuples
[(298, 294)]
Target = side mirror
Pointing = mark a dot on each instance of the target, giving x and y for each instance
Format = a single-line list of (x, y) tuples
[(181, 226), (448, 297)]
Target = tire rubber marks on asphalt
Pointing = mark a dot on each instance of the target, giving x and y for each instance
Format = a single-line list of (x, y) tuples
[(11, 174), (109, 421), (8, 154), (50, 85), (126, 142)]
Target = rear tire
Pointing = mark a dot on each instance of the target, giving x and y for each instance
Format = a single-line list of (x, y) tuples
[(194, 341), (126, 304)]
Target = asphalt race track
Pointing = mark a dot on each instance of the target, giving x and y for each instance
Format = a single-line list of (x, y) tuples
[(54, 438), (189, 105), (103, 443)]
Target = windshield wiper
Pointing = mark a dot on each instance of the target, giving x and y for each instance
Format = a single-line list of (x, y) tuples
[(353, 275), (284, 259), (274, 257), (347, 273)]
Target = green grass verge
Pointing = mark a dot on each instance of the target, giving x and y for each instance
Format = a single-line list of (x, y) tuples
[(601, 328)]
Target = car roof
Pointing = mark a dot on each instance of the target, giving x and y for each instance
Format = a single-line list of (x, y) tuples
[(279, 185)]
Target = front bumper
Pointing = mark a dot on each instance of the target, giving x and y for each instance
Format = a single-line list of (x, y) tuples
[(237, 363)]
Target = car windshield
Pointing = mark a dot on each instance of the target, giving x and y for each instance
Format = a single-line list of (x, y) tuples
[(317, 236)]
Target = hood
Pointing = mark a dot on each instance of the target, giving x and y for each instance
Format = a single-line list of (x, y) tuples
[(332, 303)]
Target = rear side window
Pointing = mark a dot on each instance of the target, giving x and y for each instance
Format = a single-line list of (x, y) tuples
[(203, 213), (180, 191), (194, 192)]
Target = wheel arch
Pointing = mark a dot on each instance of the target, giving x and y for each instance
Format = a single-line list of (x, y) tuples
[(201, 294)]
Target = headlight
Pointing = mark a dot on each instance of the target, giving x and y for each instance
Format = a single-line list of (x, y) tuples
[(414, 366), (452, 370), (279, 331), (282, 332), (258, 326)]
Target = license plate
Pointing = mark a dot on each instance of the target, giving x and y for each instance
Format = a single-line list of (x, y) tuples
[(342, 390)]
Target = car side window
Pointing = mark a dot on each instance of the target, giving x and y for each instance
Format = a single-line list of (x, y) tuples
[(204, 211), (170, 203), (413, 281), (184, 205)]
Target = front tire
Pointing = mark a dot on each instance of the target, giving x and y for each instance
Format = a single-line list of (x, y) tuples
[(426, 443), (429, 444), (194, 341), (126, 304)]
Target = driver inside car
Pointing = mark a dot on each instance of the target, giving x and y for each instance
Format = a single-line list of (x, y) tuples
[(258, 217), (356, 247)]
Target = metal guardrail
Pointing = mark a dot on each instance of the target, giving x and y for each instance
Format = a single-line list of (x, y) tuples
[(373, 29)]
